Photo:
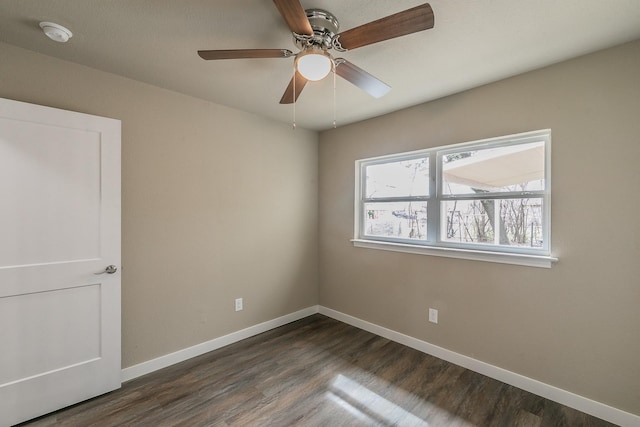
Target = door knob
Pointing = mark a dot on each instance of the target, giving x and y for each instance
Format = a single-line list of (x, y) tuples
[(110, 269)]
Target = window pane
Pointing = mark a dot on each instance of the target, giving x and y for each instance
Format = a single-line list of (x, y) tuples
[(404, 220), (398, 179), (518, 224), (466, 221), (509, 168)]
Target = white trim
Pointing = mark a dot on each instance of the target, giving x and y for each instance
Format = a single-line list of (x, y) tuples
[(216, 343), (531, 385), (499, 257), (547, 391), (527, 256)]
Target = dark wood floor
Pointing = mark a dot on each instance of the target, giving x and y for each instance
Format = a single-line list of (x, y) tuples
[(317, 372)]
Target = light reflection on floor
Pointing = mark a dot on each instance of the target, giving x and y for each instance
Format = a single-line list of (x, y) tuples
[(369, 407), (355, 412)]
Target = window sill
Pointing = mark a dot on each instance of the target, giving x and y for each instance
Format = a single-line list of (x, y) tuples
[(499, 257)]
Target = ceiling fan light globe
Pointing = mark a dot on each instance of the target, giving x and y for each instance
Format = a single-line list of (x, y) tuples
[(314, 66)]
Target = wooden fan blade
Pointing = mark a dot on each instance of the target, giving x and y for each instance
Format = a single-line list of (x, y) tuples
[(288, 98), (294, 15), (400, 24), (361, 78), (244, 53)]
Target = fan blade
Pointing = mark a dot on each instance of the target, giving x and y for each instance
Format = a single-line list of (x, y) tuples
[(400, 24), (294, 15), (244, 53), (361, 78), (300, 81)]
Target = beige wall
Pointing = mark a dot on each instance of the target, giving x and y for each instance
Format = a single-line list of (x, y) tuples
[(217, 204), (195, 173), (575, 326)]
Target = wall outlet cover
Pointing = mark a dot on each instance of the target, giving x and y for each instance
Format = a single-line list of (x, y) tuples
[(433, 315)]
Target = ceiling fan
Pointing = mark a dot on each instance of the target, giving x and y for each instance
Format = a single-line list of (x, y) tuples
[(315, 32)]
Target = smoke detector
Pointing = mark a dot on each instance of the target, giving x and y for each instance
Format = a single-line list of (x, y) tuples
[(56, 32)]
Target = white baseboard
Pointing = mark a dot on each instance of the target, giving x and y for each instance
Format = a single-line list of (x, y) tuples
[(205, 347), (547, 391)]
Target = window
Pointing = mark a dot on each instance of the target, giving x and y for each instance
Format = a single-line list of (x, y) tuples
[(485, 200)]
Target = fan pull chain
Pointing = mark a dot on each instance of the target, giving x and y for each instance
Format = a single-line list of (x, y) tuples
[(334, 96), (294, 95)]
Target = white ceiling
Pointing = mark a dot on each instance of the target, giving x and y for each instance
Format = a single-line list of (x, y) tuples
[(474, 42)]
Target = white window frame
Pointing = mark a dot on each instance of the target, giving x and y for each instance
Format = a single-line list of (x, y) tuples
[(434, 245)]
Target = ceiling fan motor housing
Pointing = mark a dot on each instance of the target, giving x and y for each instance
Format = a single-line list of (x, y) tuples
[(325, 27)]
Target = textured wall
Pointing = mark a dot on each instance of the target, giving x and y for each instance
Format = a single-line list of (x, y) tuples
[(575, 326), (217, 204)]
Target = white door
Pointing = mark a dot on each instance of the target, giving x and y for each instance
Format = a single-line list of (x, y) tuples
[(59, 225)]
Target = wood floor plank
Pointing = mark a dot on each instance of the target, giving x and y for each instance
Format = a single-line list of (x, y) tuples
[(317, 372)]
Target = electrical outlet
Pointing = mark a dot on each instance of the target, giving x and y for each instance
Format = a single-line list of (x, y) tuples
[(238, 304), (433, 315)]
